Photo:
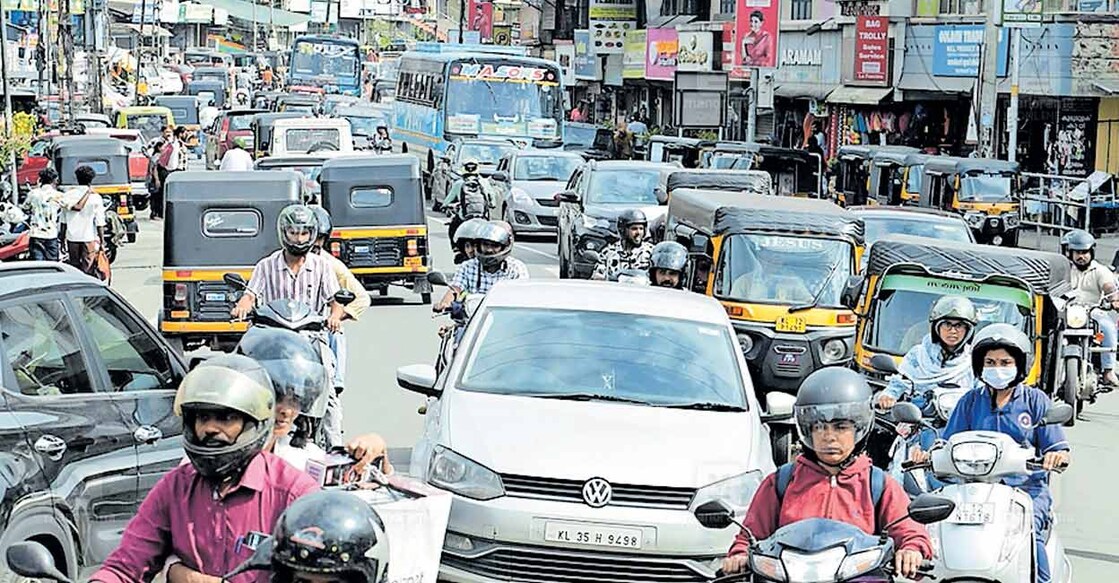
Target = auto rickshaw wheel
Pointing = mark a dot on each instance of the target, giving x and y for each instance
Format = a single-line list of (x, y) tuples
[(141, 203), (425, 298), (383, 290), (783, 444)]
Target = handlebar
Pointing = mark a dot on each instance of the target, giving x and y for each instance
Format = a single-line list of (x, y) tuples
[(1037, 465)]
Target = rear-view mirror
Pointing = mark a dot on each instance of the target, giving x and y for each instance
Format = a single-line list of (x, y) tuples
[(930, 508), (714, 515), (884, 363), (500, 177), (345, 297), (261, 560), (662, 195), (235, 280), (592, 256), (437, 278), (1058, 414), (568, 196), (778, 406), (418, 378), (33, 560), (851, 292), (698, 244), (404, 148)]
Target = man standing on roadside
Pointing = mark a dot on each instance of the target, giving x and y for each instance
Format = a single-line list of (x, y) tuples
[(172, 158), (46, 206), (85, 220)]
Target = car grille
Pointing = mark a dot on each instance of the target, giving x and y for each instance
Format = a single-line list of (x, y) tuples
[(380, 252), (565, 566), (548, 221), (214, 310), (572, 491), (547, 202)]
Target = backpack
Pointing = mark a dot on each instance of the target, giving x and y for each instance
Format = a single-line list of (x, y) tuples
[(877, 486), (165, 154), (474, 202)]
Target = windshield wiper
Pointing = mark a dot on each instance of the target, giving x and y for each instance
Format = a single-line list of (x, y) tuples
[(583, 397), (819, 293), (701, 406)]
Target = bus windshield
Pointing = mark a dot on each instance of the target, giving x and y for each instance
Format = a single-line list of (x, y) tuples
[(325, 62), (504, 99)]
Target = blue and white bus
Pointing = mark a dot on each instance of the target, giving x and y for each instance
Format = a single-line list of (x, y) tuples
[(445, 92), (325, 62)]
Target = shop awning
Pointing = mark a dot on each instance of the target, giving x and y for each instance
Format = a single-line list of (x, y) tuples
[(803, 90), (923, 82), (1108, 87), (859, 95), (149, 30), (262, 14)]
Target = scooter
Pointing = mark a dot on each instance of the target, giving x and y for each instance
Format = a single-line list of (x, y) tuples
[(822, 550), (990, 535), (460, 312)]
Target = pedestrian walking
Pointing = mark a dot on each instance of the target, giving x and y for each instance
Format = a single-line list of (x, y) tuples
[(46, 207), (85, 220)]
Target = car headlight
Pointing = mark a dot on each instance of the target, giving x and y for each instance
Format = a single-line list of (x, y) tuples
[(736, 491), (1011, 219), (974, 458), (834, 351), (946, 403), (768, 567), (821, 566), (859, 563), (1076, 316), (591, 222), (455, 473), (521, 197)]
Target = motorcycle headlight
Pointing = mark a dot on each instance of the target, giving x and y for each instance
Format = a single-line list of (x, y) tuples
[(974, 458), (1076, 316), (768, 567), (859, 563), (590, 222), (736, 491), (946, 403), (834, 351), (521, 197), (455, 473), (821, 566)]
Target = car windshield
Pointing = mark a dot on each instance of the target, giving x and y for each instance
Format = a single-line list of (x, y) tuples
[(722, 161), (650, 360), (783, 269), (365, 124), (946, 230), (900, 316), (628, 186), (551, 168), (985, 188), (913, 184), (581, 135), (485, 154)]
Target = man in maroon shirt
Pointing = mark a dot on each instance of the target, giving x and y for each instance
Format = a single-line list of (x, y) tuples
[(832, 478), (210, 514)]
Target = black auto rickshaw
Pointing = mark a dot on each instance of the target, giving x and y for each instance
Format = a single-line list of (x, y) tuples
[(308, 165), (185, 109), (108, 157), (795, 172), (262, 126), (852, 175), (674, 149), (380, 233), (895, 175), (265, 99), (297, 103), (745, 181), (985, 191), (216, 223), (208, 91)]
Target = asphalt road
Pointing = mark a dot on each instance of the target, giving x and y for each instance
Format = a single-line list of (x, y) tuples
[(398, 330)]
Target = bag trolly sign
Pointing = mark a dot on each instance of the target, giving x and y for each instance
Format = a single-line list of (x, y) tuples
[(872, 50)]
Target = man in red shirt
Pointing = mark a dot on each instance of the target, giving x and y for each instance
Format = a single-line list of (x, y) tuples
[(210, 514), (832, 478)]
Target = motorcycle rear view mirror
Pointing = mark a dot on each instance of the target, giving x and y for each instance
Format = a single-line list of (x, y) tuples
[(437, 278), (345, 297), (906, 413), (236, 281), (884, 363), (592, 256), (929, 508), (33, 560), (715, 515), (1058, 414), (261, 560), (948, 385)]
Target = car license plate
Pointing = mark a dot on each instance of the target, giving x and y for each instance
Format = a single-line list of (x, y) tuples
[(215, 297), (413, 261), (796, 324), (973, 513), (361, 248), (592, 535)]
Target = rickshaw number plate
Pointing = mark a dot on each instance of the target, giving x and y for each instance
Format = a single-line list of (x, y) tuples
[(973, 513), (796, 324), (361, 248), (215, 297), (413, 261)]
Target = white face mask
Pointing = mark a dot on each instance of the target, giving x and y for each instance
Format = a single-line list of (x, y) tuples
[(999, 377)]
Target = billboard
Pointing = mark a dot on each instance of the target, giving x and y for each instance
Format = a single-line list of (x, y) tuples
[(756, 25)]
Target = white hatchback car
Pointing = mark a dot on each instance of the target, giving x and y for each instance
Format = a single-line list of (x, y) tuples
[(579, 425)]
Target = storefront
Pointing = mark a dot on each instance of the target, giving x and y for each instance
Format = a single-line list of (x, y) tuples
[(808, 71)]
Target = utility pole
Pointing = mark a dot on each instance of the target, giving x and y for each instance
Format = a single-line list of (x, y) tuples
[(1012, 111), (140, 48), (461, 22), (989, 87), (66, 48), (255, 27), (752, 106), (9, 129)]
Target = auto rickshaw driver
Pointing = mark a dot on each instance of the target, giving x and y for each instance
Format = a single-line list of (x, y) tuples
[(772, 276)]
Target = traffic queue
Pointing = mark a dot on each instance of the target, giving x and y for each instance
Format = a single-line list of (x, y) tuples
[(888, 374)]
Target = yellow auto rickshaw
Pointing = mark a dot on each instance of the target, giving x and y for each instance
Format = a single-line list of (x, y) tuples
[(895, 175), (380, 232), (149, 119), (108, 157), (780, 266), (984, 191), (862, 174)]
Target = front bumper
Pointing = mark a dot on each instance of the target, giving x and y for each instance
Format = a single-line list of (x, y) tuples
[(781, 360), (532, 217), (987, 227)]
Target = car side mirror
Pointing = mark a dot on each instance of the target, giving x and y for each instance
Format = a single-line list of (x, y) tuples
[(779, 407), (852, 291), (715, 515), (905, 412), (930, 508), (236, 281), (437, 278), (345, 297), (33, 560), (1058, 414), (500, 177), (662, 195), (569, 196), (884, 363), (418, 378), (446, 160)]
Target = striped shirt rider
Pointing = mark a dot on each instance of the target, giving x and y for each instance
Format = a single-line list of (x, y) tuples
[(314, 285)]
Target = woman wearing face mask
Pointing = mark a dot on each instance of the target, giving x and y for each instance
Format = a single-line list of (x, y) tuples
[(1000, 359)]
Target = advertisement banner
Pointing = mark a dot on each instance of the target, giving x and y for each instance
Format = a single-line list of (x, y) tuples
[(633, 60), (1021, 12), (481, 19), (1075, 146), (586, 63), (614, 70), (872, 50), (661, 53), (956, 50), (565, 56), (610, 21), (756, 23), (695, 51)]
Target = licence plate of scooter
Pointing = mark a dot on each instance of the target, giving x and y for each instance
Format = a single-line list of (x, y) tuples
[(215, 297), (796, 324), (973, 513)]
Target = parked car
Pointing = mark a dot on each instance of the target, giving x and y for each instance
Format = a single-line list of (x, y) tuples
[(527, 200), (579, 426), (487, 151), (88, 425)]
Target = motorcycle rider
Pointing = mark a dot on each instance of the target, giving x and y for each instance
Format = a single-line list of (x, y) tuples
[(470, 196), (491, 265), (631, 251), (666, 265), (942, 357), (1000, 359), (465, 239), (1093, 282), (328, 537), (832, 477), (200, 512)]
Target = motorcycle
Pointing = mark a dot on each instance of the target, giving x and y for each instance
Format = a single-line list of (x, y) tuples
[(15, 235), (1080, 350), (990, 535), (822, 550), (460, 312)]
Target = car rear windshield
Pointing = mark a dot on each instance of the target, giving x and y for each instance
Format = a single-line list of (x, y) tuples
[(240, 122), (303, 139)]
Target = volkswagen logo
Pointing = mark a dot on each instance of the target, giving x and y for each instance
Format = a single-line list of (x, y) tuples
[(597, 492)]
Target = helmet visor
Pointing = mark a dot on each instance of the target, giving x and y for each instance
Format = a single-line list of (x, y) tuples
[(300, 382), (810, 417)]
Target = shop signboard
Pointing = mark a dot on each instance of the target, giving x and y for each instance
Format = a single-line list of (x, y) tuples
[(633, 60), (956, 50), (695, 51), (610, 21), (565, 56), (872, 50), (1074, 148), (1021, 12), (662, 46), (586, 63), (700, 109)]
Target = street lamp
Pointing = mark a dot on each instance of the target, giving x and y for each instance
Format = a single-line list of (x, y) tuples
[(817, 27)]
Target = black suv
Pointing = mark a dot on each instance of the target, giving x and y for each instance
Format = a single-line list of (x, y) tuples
[(87, 424)]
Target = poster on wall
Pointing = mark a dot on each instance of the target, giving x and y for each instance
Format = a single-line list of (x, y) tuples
[(610, 21), (633, 60), (872, 50), (565, 56), (661, 53), (756, 23), (695, 51), (481, 19), (1073, 145), (586, 63)]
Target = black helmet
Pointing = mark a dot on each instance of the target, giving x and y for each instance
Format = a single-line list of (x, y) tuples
[(1008, 338), (668, 255), (832, 394), (330, 533), (629, 218), (953, 308), (1078, 240), (323, 217), (228, 382), (293, 364), (297, 218), (495, 233)]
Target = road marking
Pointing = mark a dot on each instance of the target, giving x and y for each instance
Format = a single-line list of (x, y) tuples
[(538, 252)]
